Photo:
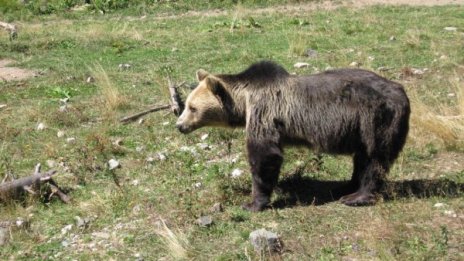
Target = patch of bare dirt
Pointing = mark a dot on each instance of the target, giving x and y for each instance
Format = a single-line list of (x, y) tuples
[(8, 73)]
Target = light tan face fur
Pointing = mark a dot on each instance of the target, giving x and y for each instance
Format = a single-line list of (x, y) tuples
[(202, 107)]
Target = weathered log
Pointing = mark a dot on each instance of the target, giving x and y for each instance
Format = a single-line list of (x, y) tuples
[(11, 28), (134, 117), (13, 189)]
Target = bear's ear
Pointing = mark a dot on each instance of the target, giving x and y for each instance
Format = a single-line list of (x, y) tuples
[(213, 85), (201, 75)]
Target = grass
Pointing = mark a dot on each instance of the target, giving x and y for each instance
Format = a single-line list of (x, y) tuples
[(148, 207)]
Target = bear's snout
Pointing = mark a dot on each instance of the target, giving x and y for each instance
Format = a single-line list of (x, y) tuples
[(183, 129)]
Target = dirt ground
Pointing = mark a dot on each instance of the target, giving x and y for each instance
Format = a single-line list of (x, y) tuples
[(8, 73)]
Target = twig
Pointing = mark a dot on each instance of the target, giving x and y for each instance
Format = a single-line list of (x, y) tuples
[(177, 105), (134, 117)]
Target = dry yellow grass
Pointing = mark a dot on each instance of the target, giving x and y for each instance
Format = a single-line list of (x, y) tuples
[(443, 124), (175, 243), (110, 96)]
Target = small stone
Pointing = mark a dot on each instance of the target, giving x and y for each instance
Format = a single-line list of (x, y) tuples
[(65, 243), (103, 235), (51, 163), (300, 65), (236, 173), (197, 185), (443, 57), (141, 121), (204, 146), (41, 126), (90, 79), (392, 38), (204, 136), (124, 66), (370, 58), (263, 241), (71, 140), (2, 106), (135, 182), (174, 49), (150, 159), (166, 123), (311, 53), (450, 213), (450, 29), (118, 142), (60, 134), (66, 229), (217, 207), (81, 222), (416, 71), (354, 64), (451, 95), (139, 148), (439, 205), (113, 164), (161, 156), (20, 223), (205, 221)]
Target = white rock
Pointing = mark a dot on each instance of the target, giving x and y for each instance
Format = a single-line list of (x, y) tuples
[(135, 182), (197, 185), (416, 71), (204, 146), (141, 121), (354, 64), (90, 79), (450, 213), (165, 123), (450, 29), (71, 140), (161, 156), (205, 221), (263, 240), (113, 164), (51, 163), (392, 38), (236, 173), (204, 136), (150, 159), (370, 58), (60, 134), (451, 94), (66, 229), (439, 205), (124, 66), (41, 126), (64, 243), (117, 142), (300, 65), (2, 106)]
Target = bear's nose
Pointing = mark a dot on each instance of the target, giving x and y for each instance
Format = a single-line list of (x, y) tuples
[(181, 128)]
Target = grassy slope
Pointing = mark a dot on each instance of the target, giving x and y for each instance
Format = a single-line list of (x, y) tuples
[(125, 220)]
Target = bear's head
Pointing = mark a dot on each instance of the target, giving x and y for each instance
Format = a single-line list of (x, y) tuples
[(204, 105)]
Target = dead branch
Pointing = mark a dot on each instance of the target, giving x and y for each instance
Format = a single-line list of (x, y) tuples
[(176, 106), (134, 117), (31, 184), (11, 28)]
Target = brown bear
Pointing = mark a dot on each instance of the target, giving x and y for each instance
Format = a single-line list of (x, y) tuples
[(344, 111)]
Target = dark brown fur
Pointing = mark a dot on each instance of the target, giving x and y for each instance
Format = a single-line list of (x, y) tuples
[(344, 111)]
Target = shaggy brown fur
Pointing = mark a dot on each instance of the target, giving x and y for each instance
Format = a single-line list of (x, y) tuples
[(345, 111)]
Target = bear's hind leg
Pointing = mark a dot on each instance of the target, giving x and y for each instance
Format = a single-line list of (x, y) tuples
[(265, 161), (370, 180)]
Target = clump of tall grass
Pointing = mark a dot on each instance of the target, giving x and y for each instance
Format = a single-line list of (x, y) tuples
[(111, 98), (175, 242)]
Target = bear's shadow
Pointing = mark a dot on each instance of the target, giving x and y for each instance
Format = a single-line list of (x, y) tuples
[(300, 190)]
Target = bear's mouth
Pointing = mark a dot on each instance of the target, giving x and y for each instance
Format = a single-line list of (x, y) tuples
[(183, 129)]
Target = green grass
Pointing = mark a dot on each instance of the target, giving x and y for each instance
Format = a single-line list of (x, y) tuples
[(127, 220)]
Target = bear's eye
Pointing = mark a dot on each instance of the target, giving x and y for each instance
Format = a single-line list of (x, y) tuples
[(192, 109)]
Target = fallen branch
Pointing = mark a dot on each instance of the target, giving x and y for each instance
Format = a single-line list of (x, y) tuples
[(134, 117), (31, 184), (176, 106), (11, 28)]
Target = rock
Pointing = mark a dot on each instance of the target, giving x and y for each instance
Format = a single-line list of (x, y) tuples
[(41, 126), (118, 142), (450, 29), (451, 95), (81, 222), (450, 213), (355, 64), (197, 185), (300, 65), (60, 134), (66, 229), (65, 243), (370, 58), (139, 148), (51, 163), (90, 79), (135, 182), (103, 235), (311, 53), (150, 159), (124, 66), (217, 207), (141, 121), (174, 49), (416, 71), (113, 164), (392, 38), (2, 106), (204, 136), (166, 123), (236, 173), (4, 236), (63, 108), (439, 205), (204, 146), (264, 241), (71, 140), (161, 156), (205, 221)]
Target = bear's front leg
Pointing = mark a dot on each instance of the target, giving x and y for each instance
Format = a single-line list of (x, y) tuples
[(265, 159)]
